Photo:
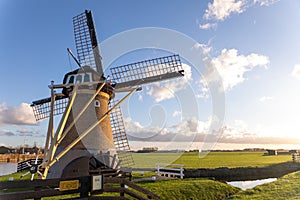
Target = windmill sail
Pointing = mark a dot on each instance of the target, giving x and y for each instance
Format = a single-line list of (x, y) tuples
[(41, 108), (130, 75), (147, 71), (120, 137), (86, 41)]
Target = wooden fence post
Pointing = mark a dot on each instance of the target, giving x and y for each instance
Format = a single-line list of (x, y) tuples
[(85, 187), (181, 172), (122, 189)]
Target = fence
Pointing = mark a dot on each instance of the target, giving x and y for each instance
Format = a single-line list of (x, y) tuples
[(295, 156), (172, 170), (85, 187)]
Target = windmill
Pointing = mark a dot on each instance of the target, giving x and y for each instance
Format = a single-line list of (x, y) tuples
[(91, 133)]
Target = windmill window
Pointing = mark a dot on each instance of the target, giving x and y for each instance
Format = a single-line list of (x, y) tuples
[(71, 79), (88, 77), (79, 78), (97, 103)]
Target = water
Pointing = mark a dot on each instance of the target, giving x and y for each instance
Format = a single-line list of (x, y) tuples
[(8, 168), (244, 185)]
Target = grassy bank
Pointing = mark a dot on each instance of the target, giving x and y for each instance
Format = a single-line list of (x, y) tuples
[(244, 173), (211, 160), (190, 189), (284, 188), (170, 189), (16, 177)]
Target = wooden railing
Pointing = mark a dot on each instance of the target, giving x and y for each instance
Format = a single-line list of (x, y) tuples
[(295, 156), (171, 170), (129, 188), (84, 187)]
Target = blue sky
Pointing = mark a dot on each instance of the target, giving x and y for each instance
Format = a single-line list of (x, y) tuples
[(254, 45)]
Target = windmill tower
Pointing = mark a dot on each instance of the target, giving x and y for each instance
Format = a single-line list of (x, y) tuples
[(91, 133)]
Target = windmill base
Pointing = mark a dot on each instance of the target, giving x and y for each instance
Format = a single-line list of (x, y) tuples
[(83, 164)]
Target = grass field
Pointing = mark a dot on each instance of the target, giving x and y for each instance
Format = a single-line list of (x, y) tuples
[(212, 160), (168, 189), (190, 189), (287, 187)]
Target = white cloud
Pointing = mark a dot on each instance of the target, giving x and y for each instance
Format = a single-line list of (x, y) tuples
[(185, 130), (219, 10), (265, 2), (6, 133), (266, 99), (197, 131), (191, 127), (203, 92), (21, 132), (208, 26), (29, 132), (204, 47), (132, 126), (138, 132), (167, 90), (232, 67), (296, 71), (176, 113), (19, 115), (235, 135)]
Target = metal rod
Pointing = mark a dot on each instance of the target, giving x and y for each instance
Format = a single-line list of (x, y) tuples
[(79, 115), (61, 154), (73, 56)]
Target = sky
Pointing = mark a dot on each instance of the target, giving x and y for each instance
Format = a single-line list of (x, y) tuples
[(241, 61)]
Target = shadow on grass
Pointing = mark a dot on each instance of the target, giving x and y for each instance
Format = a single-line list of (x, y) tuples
[(244, 173)]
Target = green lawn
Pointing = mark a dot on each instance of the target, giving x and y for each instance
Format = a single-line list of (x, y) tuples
[(168, 189), (285, 188), (16, 176), (211, 160), (190, 189)]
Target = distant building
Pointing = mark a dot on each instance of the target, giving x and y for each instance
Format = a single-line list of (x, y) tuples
[(272, 152), (294, 151), (4, 150), (148, 150)]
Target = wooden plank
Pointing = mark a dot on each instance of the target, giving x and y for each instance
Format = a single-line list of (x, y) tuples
[(140, 189), (107, 198), (85, 186), (28, 183), (112, 189), (135, 195), (33, 194), (38, 183), (112, 180)]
